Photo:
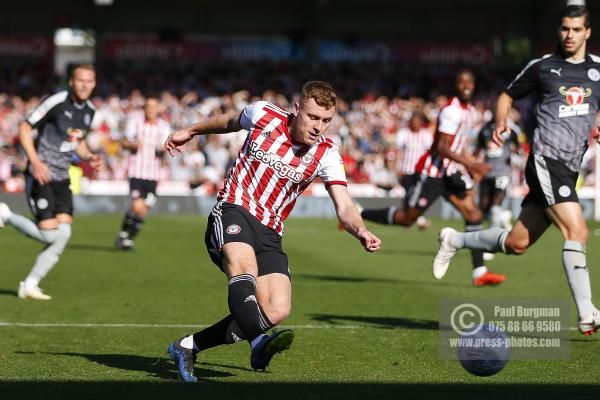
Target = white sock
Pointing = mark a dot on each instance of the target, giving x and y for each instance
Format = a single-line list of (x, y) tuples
[(479, 271), (575, 265), (188, 343), (257, 340), (496, 216), (31, 281)]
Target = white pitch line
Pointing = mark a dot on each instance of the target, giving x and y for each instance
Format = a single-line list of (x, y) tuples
[(159, 326)]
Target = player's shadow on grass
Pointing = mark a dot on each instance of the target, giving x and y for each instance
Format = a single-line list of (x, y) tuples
[(351, 279), (155, 367), (378, 322), (93, 247), (8, 292), (356, 279)]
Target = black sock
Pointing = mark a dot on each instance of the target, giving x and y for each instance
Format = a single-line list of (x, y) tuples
[(244, 307), (226, 331), (381, 215), (132, 224), (476, 255)]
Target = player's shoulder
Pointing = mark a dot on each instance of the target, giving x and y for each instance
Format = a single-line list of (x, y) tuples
[(55, 99), (266, 107), (452, 107), (594, 58)]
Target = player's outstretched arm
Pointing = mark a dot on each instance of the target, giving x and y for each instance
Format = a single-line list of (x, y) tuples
[(350, 218), (223, 123)]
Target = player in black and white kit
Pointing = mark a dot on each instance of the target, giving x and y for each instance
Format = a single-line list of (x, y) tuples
[(493, 186), (62, 122), (568, 87)]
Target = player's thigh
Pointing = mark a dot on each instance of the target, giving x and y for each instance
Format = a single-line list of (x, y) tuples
[(568, 217), (64, 218), (421, 192), (466, 206), (239, 258), (530, 226)]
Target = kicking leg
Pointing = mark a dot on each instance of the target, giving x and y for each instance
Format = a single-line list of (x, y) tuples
[(530, 226)]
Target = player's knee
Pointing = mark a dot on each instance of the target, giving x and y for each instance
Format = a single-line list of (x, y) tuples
[(279, 312), (516, 246), (578, 234), (473, 216)]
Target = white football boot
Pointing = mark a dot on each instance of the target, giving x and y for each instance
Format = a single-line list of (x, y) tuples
[(32, 292), (506, 220), (4, 211), (590, 324), (441, 262)]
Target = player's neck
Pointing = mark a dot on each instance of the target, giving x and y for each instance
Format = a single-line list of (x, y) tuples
[(578, 56)]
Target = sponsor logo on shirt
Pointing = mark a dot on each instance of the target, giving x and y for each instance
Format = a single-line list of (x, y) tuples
[(574, 97), (274, 161), (74, 136)]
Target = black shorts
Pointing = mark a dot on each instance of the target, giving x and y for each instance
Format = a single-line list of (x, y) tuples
[(422, 190), (143, 189), (45, 201), (549, 181), (493, 185), (229, 223)]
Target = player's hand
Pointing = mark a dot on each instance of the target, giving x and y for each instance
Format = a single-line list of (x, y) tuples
[(95, 162), (370, 242), (40, 172), (500, 134), (176, 140), (478, 170)]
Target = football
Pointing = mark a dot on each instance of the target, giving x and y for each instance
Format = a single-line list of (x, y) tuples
[(484, 350)]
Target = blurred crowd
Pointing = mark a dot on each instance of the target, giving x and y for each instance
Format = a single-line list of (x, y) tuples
[(377, 103)]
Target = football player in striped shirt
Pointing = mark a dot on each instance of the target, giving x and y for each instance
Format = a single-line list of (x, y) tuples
[(283, 153), (447, 169), (144, 138)]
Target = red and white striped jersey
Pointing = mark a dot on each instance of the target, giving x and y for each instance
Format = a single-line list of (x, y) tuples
[(412, 145), (150, 136), (457, 120), (272, 170)]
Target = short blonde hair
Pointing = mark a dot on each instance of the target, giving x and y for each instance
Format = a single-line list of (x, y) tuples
[(321, 92)]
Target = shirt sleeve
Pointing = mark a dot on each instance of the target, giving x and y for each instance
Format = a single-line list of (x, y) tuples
[(251, 114), (526, 81), (449, 120), (331, 168), (45, 109)]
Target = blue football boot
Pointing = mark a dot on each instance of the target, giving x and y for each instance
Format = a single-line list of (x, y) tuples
[(184, 359)]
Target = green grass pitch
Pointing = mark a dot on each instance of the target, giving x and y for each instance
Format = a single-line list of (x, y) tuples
[(366, 324)]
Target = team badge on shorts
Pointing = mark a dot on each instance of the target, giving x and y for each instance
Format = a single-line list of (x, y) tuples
[(42, 204), (423, 202), (233, 229), (564, 191), (135, 193)]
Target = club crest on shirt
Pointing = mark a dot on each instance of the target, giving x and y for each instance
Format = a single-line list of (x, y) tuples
[(87, 119), (233, 229), (307, 159), (593, 74)]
